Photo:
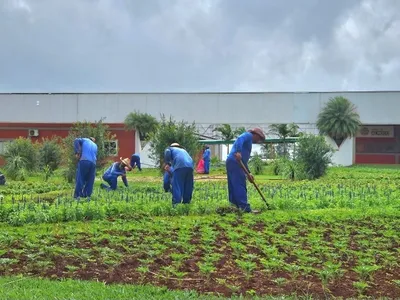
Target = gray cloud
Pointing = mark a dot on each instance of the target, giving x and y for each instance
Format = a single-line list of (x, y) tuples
[(202, 45)]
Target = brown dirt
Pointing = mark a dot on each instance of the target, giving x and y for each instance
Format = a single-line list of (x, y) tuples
[(227, 279)]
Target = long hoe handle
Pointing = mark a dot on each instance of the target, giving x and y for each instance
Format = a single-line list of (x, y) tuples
[(255, 185)]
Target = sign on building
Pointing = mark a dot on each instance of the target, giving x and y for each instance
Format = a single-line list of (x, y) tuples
[(376, 131)]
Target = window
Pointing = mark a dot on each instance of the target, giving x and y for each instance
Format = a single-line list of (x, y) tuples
[(111, 148)]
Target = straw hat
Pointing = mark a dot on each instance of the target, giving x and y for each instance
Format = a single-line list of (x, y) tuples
[(126, 162), (92, 139), (259, 132), (175, 145)]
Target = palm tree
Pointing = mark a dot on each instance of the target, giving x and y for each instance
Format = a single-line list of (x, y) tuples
[(143, 123), (339, 120), (283, 131), (228, 133)]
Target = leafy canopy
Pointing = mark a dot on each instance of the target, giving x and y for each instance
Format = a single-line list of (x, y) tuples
[(142, 122), (338, 119)]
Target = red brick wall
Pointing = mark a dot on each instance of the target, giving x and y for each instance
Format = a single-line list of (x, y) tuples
[(126, 139)]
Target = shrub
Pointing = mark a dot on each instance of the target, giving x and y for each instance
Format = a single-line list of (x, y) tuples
[(312, 156), (21, 157), (256, 164), (50, 154), (170, 131)]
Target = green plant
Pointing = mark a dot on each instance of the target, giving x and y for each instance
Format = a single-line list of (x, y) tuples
[(228, 133), (144, 123), (313, 155), (283, 131), (338, 120), (170, 131), (21, 156), (50, 154), (256, 164)]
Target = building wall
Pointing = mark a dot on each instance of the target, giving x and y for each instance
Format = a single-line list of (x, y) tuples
[(10, 131), (206, 109), (203, 108)]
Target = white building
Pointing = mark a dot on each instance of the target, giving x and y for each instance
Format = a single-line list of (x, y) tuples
[(379, 111)]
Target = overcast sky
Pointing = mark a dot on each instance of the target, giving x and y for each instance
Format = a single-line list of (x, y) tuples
[(199, 45)]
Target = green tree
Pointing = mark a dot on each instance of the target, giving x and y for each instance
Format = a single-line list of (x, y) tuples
[(284, 131), (339, 120), (170, 131), (144, 123), (228, 134), (99, 131)]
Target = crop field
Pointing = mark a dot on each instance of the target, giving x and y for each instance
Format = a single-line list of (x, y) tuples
[(338, 236)]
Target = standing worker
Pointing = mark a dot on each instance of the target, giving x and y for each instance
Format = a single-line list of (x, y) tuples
[(86, 151), (206, 158), (183, 181), (241, 150), (114, 171), (135, 161)]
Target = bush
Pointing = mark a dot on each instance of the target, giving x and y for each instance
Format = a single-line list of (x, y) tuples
[(50, 154), (99, 131), (170, 131), (313, 156), (21, 157), (256, 164)]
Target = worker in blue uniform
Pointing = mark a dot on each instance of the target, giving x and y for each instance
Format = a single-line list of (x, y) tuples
[(86, 151), (117, 169), (241, 150), (167, 180), (183, 180), (206, 158), (135, 161)]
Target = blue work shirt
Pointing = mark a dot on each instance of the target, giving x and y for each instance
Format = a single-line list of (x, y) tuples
[(178, 158), (243, 144), (86, 148), (113, 172), (207, 155)]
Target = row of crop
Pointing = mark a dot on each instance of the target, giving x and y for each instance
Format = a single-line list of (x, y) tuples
[(152, 201), (233, 252)]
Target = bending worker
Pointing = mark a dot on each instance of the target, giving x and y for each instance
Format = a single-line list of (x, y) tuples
[(86, 151), (135, 161), (114, 171), (241, 150), (183, 181)]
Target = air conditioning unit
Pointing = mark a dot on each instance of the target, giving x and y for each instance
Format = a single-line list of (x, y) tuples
[(33, 132)]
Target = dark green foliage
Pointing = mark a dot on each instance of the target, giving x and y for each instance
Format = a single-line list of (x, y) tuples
[(21, 156), (228, 134), (170, 131), (339, 120), (313, 155), (142, 122), (50, 154), (256, 164), (283, 131), (99, 131), (311, 159)]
